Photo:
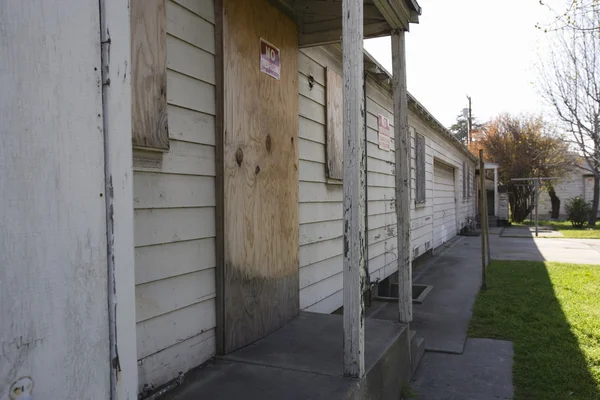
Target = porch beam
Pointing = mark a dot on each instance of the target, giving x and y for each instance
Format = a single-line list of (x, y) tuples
[(403, 181), (354, 189), (370, 30)]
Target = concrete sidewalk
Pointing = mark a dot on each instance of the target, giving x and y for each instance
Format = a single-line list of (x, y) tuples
[(454, 367), (482, 372)]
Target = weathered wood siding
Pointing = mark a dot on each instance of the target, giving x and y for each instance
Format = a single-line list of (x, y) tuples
[(381, 192), (321, 214), (437, 147), (53, 266), (174, 200)]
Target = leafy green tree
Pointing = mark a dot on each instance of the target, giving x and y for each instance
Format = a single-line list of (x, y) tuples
[(460, 129)]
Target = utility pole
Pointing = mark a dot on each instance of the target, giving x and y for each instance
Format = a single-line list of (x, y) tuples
[(469, 123)]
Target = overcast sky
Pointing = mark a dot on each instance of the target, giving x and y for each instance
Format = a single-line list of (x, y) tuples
[(487, 49)]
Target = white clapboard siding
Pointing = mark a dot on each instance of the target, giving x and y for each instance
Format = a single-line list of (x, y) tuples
[(382, 238), (320, 208), (174, 201), (169, 363), (321, 211)]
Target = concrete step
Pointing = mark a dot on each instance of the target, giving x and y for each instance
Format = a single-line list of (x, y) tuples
[(492, 222), (417, 349)]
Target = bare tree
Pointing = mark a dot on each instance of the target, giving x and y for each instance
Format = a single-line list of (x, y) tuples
[(570, 83), (568, 16)]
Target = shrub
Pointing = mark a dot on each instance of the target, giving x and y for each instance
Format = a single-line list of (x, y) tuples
[(578, 211)]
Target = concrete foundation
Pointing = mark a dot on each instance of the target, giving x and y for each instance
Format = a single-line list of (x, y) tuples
[(303, 360)]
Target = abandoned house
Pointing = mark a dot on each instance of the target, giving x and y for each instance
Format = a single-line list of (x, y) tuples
[(191, 178)]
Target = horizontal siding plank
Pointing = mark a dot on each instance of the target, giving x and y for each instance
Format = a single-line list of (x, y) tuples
[(312, 253), (381, 193), (316, 93), (202, 8), (318, 271), (191, 93), (383, 261), (375, 179), (162, 261), (389, 246), (154, 190), (315, 212), (378, 95), (382, 207), (166, 330), (312, 172), (308, 67), (374, 151), (161, 297), (311, 130), (319, 192), (190, 27), (190, 60), (383, 167), (185, 158), (173, 225), (191, 126), (314, 293), (324, 58), (311, 151), (328, 304), (381, 220), (317, 232), (164, 366), (379, 234), (311, 110)]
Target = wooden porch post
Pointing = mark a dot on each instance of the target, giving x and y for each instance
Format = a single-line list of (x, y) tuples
[(402, 138), (354, 189)]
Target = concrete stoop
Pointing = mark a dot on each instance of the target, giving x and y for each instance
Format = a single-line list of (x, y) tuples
[(303, 360), (417, 349)]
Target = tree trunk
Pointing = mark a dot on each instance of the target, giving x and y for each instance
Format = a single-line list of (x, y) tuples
[(555, 203), (595, 201)]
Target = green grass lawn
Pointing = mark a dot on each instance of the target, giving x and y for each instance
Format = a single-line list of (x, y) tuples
[(567, 229), (551, 313)]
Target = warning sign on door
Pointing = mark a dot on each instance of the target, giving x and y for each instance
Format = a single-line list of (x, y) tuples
[(384, 133), (270, 61)]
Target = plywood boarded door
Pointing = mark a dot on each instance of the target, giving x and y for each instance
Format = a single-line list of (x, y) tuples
[(260, 174)]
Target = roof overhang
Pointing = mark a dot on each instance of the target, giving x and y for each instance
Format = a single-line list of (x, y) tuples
[(320, 21)]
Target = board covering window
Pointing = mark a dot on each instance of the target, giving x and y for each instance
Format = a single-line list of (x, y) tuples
[(420, 168), (149, 75), (335, 125), (465, 180)]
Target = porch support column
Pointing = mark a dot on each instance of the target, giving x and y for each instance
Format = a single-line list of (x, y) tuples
[(402, 139), (496, 191), (354, 189)]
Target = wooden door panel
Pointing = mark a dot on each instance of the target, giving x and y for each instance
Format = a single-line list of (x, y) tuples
[(260, 174)]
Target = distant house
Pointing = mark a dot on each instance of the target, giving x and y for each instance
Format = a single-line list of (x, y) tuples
[(577, 183)]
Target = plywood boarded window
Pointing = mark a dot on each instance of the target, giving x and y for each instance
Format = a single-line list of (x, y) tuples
[(420, 168), (464, 180), (469, 182), (335, 125), (149, 75)]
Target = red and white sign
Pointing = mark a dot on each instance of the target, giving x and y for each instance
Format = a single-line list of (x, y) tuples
[(384, 132), (270, 60)]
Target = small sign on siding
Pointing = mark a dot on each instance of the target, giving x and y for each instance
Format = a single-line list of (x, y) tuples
[(384, 132), (270, 60)]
